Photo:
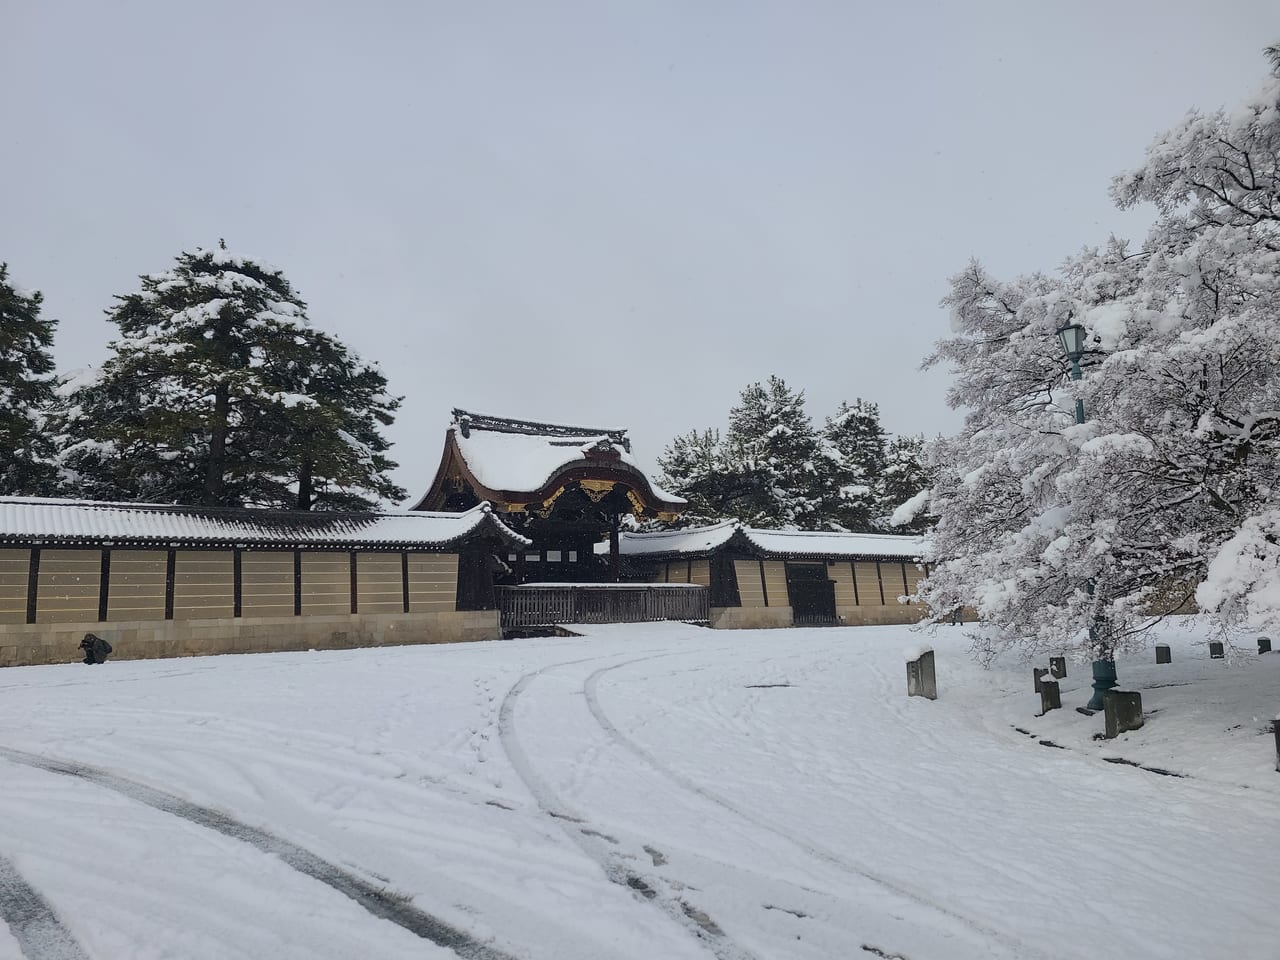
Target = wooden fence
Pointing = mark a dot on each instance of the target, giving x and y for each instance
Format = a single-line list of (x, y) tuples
[(542, 605)]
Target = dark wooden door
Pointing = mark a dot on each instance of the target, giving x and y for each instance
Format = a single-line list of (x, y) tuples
[(812, 594)]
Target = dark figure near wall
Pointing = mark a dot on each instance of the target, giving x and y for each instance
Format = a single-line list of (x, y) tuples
[(95, 648)]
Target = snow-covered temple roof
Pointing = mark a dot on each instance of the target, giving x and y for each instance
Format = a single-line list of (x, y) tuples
[(30, 520), (515, 463), (781, 544)]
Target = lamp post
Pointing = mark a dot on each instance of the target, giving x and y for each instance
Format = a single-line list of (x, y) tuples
[(1072, 336)]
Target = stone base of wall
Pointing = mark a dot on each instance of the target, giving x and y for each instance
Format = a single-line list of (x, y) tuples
[(28, 644), (750, 618), (891, 613)]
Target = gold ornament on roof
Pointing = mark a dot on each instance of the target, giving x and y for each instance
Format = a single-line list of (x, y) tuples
[(597, 490)]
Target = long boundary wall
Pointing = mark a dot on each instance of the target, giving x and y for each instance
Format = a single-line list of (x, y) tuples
[(176, 602), (28, 644)]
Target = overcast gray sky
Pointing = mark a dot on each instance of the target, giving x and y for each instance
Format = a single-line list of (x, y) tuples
[(607, 213)]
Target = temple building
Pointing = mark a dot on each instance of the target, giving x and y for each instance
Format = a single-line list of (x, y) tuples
[(565, 488), (524, 527), (568, 490)]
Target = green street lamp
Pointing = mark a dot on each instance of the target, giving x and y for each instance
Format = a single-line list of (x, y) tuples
[(1072, 338)]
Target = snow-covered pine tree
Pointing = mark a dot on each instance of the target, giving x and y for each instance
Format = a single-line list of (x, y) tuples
[(903, 478), (220, 393), (772, 439), (696, 466), (850, 465), (332, 443), (1174, 480), (26, 386)]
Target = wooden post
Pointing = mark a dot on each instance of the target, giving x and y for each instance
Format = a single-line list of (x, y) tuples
[(1215, 650), (615, 572), (1163, 653), (1058, 667), (1264, 645), (1037, 675)]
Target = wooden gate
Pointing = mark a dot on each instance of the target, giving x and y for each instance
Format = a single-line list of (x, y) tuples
[(812, 595), (543, 605)]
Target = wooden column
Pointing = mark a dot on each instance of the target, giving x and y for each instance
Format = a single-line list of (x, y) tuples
[(615, 572)]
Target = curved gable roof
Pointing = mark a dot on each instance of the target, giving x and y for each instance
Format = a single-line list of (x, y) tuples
[(522, 461)]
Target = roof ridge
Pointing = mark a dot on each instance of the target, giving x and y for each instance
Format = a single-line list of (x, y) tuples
[(468, 421), (826, 533), (679, 532), (241, 512)]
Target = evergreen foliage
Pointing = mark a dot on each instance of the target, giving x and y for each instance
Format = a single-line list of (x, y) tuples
[(26, 386), (851, 467), (903, 478), (773, 469), (219, 392), (771, 440), (713, 484)]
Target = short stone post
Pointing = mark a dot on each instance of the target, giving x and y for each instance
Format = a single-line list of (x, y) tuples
[(1215, 650), (1050, 696), (1058, 667), (922, 681), (1163, 653), (1037, 678), (1264, 645), (1122, 711)]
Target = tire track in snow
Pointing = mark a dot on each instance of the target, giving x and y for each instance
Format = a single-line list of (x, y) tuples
[(39, 932), (589, 691), (376, 900), (593, 844)]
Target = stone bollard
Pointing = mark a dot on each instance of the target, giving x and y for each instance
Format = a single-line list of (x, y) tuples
[(1058, 667), (1264, 645), (1050, 696), (922, 681), (1037, 677), (1215, 650), (1122, 711), (1163, 653)]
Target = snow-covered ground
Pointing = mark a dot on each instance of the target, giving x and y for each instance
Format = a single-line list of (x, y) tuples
[(642, 792)]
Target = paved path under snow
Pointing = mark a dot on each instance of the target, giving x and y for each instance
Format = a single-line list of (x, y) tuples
[(647, 791)]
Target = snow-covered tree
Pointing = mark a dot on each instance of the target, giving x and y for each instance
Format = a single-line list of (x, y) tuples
[(903, 479), (219, 392), (1048, 526), (26, 386), (696, 466), (851, 466), (772, 439)]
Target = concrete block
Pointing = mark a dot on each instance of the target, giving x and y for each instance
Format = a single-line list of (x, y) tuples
[(922, 680), (1050, 696), (1122, 710)]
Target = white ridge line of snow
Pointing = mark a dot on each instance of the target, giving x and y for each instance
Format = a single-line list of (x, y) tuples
[(551, 804), (379, 902), (813, 849), (39, 932)]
